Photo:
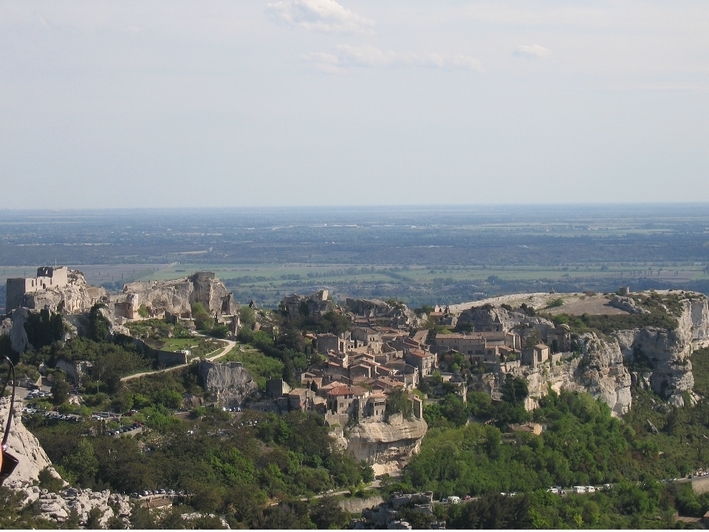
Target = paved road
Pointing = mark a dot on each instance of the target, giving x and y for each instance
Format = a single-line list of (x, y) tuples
[(218, 353)]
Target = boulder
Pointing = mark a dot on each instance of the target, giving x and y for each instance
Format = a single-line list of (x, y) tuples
[(387, 446), (229, 381)]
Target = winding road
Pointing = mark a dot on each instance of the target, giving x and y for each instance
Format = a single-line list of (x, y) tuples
[(219, 353)]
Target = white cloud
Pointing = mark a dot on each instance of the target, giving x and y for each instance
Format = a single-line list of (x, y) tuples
[(320, 15), (531, 51), (372, 57)]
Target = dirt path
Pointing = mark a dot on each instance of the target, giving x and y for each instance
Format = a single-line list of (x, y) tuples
[(219, 353)]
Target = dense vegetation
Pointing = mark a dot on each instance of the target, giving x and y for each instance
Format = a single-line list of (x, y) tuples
[(582, 444), (229, 465)]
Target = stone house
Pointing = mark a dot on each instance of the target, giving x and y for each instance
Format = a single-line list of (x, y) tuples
[(331, 342), (301, 399), (365, 336), (348, 400), (376, 406), (425, 361), (534, 356)]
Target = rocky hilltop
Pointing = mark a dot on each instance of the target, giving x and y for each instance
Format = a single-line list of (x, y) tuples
[(175, 297), (77, 296), (73, 298), (605, 365)]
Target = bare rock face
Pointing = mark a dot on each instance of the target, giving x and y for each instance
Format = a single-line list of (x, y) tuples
[(77, 296), (230, 381), (664, 355), (18, 335), (627, 304), (694, 320), (399, 315), (176, 297), (387, 446), (23, 445), (602, 373), (490, 318), (58, 507), (599, 371), (653, 357)]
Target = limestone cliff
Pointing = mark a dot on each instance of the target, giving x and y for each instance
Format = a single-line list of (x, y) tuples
[(23, 445), (660, 357), (386, 446), (175, 297), (230, 382), (18, 335), (598, 370), (606, 367)]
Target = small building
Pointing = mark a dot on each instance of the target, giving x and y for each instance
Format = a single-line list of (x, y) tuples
[(346, 399), (425, 361), (301, 399), (277, 387), (331, 342), (534, 356), (376, 405)]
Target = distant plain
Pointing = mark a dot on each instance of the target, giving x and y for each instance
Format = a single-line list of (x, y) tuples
[(415, 254)]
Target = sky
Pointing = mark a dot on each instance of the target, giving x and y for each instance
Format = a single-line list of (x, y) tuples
[(108, 104)]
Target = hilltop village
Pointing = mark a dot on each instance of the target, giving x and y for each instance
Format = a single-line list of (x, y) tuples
[(319, 395), (383, 346)]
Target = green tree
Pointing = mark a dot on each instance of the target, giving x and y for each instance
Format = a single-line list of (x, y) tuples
[(514, 390), (202, 320), (83, 463), (98, 324), (60, 388), (398, 402), (247, 317)]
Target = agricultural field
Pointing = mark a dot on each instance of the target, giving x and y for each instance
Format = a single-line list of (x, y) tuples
[(267, 284), (420, 255)]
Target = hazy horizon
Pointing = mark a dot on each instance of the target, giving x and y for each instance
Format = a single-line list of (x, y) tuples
[(143, 104)]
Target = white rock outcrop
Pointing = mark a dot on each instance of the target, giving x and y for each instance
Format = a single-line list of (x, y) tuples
[(24, 446), (229, 381), (175, 297), (386, 446), (651, 356)]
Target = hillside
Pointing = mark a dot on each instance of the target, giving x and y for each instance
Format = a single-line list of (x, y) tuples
[(614, 390)]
